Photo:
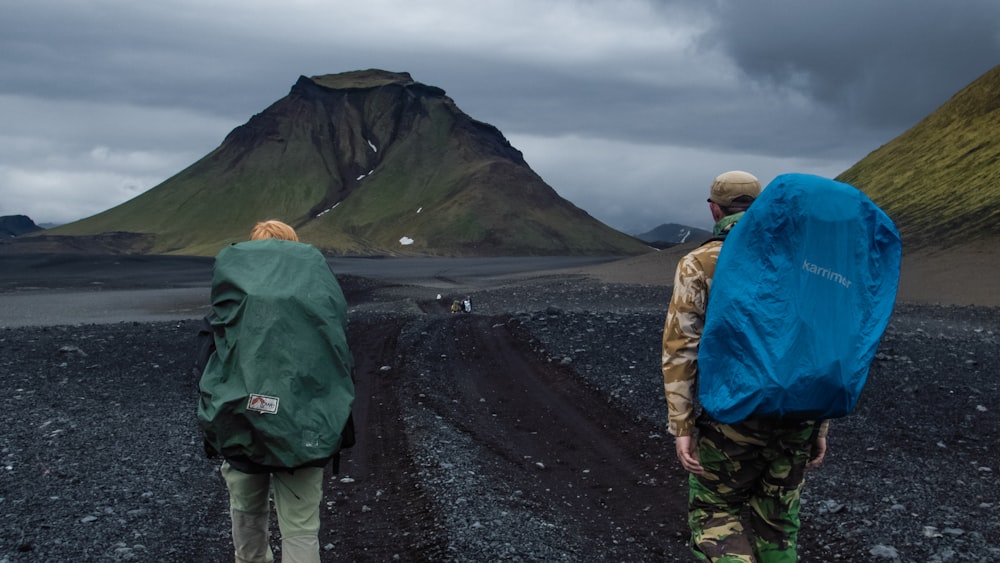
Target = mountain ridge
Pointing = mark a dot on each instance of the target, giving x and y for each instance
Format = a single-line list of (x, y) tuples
[(364, 163), (17, 225), (937, 180), (669, 234)]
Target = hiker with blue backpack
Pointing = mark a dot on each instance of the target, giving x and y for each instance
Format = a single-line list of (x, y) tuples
[(802, 285)]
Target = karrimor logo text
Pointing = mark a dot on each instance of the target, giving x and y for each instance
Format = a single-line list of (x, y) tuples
[(825, 273), (263, 404)]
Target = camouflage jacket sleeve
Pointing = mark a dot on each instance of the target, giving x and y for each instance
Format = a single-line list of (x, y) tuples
[(682, 334)]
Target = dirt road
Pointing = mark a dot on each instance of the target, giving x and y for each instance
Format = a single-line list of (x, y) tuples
[(473, 448)]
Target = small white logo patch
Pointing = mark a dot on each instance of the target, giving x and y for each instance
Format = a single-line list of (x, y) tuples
[(263, 404)]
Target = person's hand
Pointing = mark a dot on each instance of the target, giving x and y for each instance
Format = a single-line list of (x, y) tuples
[(688, 455), (818, 453)]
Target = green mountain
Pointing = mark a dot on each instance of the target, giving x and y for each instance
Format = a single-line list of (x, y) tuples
[(365, 163), (17, 225), (670, 234), (939, 180)]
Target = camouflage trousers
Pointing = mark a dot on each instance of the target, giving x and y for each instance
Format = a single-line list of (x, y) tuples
[(745, 508)]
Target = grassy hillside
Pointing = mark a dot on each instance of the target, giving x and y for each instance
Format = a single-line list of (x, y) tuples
[(939, 180), (355, 162), (267, 168), (474, 200)]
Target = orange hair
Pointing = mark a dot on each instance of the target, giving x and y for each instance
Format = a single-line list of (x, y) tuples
[(273, 229)]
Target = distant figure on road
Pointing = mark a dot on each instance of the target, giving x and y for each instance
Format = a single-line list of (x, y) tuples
[(754, 467), (277, 366), (467, 305), (456, 306)]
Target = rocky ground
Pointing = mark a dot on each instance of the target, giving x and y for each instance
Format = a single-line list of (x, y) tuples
[(529, 430)]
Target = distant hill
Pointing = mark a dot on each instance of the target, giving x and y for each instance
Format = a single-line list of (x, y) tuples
[(670, 234), (364, 163), (940, 180), (17, 225)]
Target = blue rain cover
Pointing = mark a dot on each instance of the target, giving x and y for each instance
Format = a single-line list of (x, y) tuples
[(802, 292)]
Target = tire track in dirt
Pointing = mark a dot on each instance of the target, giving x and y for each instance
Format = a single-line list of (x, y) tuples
[(375, 509), (583, 463)]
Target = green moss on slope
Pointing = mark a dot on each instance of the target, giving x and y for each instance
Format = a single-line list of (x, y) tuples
[(940, 180), (355, 162)]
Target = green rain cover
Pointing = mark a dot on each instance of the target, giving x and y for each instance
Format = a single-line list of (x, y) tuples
[(277, 390)]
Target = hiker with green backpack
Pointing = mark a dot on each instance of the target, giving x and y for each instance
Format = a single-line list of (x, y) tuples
[(276, 388), (802, 285)]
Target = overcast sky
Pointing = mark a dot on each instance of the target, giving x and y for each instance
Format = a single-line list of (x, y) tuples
[(628, 108)]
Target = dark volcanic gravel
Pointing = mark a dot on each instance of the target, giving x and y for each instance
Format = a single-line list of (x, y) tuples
[(530, 430), (99, 458)]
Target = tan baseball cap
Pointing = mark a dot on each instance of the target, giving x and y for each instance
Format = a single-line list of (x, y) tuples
[(730, 185)]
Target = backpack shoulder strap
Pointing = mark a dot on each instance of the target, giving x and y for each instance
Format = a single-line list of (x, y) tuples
[(719, 237)]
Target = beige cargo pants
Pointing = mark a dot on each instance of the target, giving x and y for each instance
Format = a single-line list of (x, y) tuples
[(297, 497)]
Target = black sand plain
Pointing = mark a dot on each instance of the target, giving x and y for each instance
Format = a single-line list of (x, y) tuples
[(532, 429)]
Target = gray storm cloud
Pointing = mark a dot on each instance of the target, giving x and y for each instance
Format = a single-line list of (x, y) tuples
[(616, 104)]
